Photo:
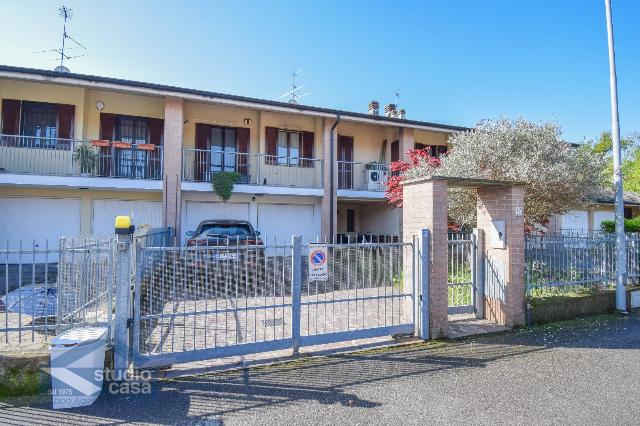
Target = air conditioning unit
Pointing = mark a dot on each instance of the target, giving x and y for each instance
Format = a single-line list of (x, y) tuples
[(376, 179)]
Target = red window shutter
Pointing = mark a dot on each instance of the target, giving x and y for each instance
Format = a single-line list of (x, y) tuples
[(395, 151), (242, 135), (156, 128), (271, 147), (307, 149), (201, 157), (10, 116)]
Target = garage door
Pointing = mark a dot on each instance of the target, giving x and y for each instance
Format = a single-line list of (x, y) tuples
[(195, 212), (143, 213), (38, 219), (599, 217), (575, 222), (278, 222)]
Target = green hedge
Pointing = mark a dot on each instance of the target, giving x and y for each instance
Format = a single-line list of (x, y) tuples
[(630, 225)]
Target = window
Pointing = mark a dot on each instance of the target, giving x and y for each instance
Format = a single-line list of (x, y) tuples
[(434, 150), (40, 120), (351, 220), (223, 147), (133, 130), (628, 213), (289, 147)]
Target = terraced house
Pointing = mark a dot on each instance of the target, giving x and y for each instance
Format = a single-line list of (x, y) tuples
[(77, 150)]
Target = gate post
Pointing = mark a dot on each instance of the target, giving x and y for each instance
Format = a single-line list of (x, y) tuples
[(296, 291), (122, 299), (477, 267), (424, 262)]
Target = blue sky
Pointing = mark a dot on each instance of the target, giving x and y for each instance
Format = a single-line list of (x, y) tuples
[(454, 62)]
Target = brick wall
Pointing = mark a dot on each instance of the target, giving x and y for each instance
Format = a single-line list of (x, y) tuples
[(173, 122)]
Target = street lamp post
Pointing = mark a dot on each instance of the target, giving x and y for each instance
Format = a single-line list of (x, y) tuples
[(621, 258)]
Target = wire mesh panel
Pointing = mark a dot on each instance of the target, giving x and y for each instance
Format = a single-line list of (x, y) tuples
[(460, 283), (202, 302), (364, 295)]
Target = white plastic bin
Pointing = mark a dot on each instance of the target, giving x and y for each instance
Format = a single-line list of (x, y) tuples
[(77, 364)]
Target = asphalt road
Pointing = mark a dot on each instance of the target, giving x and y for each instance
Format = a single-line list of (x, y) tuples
[(585, 372)]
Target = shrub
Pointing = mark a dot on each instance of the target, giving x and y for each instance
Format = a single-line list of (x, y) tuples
[(630, 225)]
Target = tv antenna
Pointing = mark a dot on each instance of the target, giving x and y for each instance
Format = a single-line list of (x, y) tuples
[(295, 93), (396, 95), (66, 13)]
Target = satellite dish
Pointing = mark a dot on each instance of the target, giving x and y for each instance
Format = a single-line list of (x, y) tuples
[(61, 69)]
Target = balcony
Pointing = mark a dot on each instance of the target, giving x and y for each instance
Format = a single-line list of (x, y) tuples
[(355, 176), (198, 165), (70, 157)]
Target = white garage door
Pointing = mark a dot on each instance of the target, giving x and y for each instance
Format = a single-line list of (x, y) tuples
[(38, 219), (143, 213), (278, 222), (599, 217), (575, 222), (195, 212)]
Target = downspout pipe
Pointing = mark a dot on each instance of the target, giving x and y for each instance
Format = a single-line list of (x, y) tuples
[(332, 190)]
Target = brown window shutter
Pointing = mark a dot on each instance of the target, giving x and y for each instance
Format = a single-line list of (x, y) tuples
[(156, 128), (10, 116), (107, 126), (201, 158), (66, 115), (271, 147), (395, 151), (307, 149), (107, 132), (242, 135)]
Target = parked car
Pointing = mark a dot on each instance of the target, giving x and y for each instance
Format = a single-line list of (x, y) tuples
[(224, 232)]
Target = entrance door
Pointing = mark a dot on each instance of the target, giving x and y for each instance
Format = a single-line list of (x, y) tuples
[(345, 162)]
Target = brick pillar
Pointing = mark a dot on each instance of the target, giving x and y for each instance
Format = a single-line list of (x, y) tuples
[(425, 206), (504, 267), (172, 161), (327, 210), (407, 142)]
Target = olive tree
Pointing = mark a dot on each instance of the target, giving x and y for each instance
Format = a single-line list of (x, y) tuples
[(558, 176)]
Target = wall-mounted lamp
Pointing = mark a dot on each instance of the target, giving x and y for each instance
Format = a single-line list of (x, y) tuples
[(247, 121), (99, 105)]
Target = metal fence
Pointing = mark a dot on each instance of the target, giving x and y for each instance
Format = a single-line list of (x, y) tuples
[(558, 264), (362, 176), (53, 286), (70, 157), (461, 272), (201, 302), (199, 165)]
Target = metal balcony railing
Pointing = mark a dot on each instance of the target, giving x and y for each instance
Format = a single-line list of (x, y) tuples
[(71, 157), (362, 176), (198, 165)]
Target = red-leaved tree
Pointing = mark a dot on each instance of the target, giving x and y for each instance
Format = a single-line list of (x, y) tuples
[(417, 158)]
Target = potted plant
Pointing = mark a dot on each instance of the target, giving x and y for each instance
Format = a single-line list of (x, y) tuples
[(222, 184), (87, 158)]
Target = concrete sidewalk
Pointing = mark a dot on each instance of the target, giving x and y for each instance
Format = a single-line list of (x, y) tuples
[(581, 372)]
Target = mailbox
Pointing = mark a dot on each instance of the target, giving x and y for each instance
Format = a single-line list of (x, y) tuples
[(498, 234)]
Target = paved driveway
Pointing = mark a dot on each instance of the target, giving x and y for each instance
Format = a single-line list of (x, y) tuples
[(576, 373)]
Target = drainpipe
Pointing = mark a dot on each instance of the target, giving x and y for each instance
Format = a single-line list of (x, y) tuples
[(331, 184)]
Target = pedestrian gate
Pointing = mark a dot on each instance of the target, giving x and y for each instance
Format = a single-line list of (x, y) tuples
[(462, 275), (196, 303)]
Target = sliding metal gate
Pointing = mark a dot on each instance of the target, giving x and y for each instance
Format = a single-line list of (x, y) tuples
[(196, 303), (462, 275)]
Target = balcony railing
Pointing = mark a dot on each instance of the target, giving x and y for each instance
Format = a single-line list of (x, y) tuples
[(198, 165), (362, 176), (70, 157)]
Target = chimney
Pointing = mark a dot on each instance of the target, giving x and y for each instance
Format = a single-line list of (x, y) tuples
[(374, 108), (390, 110), (402, 114)]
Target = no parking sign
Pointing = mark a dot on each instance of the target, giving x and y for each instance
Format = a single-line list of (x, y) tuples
[(318, 260)]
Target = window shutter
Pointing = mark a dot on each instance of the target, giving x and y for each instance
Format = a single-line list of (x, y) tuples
[(66, 115), (271, 146), (201, 159), (242, 134), (307, 149), (442, 150), (395, 151), (10, 117), (156, 127), (107, 132)]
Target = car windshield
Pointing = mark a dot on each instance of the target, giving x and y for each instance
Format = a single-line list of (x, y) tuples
[(225, 230)]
